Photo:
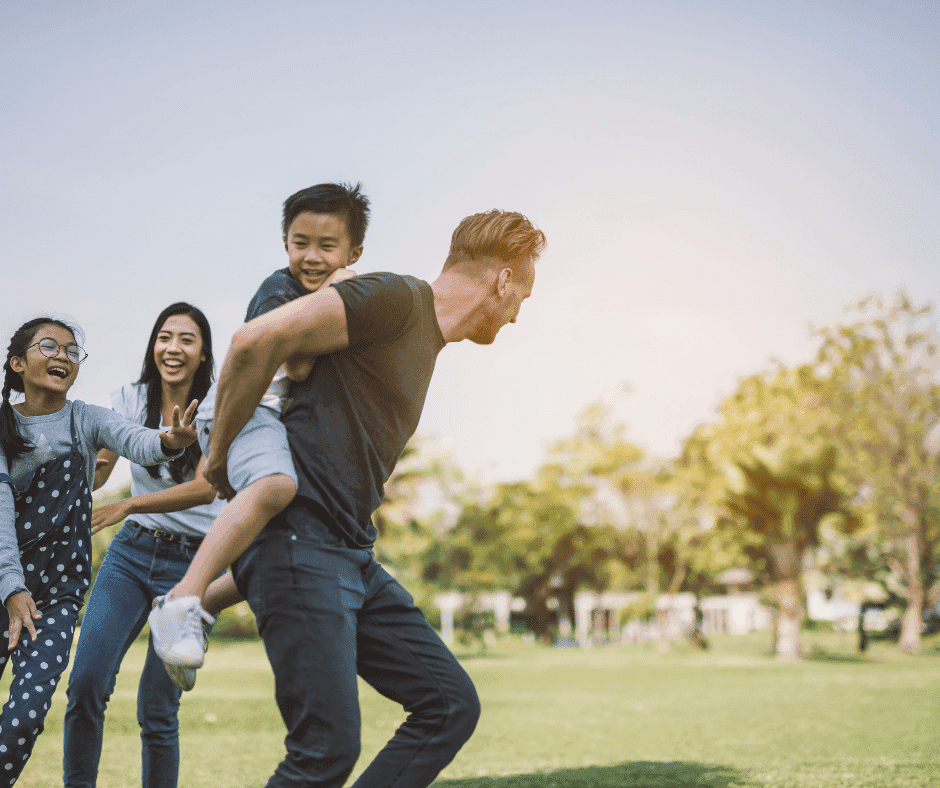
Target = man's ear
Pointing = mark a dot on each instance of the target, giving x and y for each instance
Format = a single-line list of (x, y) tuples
[(284, 239), (502, 281), (354, 254)]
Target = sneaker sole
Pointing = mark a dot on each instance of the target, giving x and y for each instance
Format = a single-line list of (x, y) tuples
[(184, 678)]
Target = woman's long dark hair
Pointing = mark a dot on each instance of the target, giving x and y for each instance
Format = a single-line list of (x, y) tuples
[(11, 440), (179, 467)]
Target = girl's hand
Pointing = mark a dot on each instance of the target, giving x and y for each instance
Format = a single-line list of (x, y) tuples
[(22, 610), (104, 516), (183, 431)]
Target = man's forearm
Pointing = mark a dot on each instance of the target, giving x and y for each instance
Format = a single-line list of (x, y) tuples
[(246, 374), (307, 327)]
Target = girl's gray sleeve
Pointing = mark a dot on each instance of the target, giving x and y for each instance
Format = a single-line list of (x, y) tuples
[(110, 430), (11, 571)]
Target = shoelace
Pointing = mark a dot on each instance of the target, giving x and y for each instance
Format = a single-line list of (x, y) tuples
[(193, 625)]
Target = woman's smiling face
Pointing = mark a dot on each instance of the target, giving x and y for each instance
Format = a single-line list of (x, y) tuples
[(177, 350)]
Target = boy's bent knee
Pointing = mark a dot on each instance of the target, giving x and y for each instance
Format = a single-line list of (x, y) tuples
[(275, 492)]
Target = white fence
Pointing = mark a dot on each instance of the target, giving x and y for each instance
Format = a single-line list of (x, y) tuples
[(598, 616)]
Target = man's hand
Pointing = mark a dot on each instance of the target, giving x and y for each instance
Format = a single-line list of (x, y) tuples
[(22, 610), (338, 275), (216, 474), (104, 516), (183, 430)]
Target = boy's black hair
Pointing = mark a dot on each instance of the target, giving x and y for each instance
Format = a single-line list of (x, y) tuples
[(11, 440), (179, 467), (338, 199)]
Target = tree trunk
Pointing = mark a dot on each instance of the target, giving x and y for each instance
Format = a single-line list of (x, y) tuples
[(785, 560), (912, 621), (787, 593)]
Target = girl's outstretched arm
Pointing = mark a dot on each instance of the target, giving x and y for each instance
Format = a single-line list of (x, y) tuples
[(102, 428)]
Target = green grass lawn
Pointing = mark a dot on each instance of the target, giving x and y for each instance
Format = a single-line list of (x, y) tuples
[(566, 718)]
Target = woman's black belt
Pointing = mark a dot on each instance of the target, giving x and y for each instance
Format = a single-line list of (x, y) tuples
[(167, 536)]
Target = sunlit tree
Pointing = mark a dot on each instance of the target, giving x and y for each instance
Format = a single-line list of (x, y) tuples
[(781, 481), (883, 375)]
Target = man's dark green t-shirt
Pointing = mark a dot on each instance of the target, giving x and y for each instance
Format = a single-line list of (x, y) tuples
[(348, 423)]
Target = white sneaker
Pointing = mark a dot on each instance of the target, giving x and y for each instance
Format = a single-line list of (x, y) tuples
[(176, 626)]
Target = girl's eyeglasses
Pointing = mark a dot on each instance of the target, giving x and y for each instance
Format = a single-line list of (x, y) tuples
[(50, 349)]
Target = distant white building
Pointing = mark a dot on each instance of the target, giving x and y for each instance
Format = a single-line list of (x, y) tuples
[(598, 616), (736, 614), (501, 603), (842, 612)]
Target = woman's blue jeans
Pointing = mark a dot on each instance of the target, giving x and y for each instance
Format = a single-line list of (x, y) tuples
[(137, 568)]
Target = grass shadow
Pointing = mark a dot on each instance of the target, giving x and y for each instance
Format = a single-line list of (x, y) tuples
[(821, 655), (637, 774), (465, 656)]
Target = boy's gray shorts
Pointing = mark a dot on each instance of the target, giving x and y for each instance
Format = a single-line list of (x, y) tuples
[(259, 450)]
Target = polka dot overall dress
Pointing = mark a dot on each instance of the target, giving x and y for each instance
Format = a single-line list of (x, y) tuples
[(53, 517)]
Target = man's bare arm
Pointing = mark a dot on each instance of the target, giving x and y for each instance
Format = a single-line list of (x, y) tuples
[(305, 328), (298, 368)]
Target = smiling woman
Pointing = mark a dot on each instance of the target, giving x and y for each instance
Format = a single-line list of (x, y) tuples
[(170, 510)]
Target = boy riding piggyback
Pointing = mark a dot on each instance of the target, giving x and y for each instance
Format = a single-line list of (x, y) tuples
[(323, 230)]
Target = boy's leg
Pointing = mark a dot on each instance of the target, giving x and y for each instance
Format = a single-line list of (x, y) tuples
[(236, 527), (401, 656), (176, 621), (222, 593), (261, 469)]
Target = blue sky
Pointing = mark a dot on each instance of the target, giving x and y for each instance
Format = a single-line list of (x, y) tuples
[(712, 177)]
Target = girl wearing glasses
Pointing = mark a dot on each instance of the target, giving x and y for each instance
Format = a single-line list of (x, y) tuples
[(171, 509), (48, 447)]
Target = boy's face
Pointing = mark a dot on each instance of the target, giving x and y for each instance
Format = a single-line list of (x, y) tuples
[(317, 244)]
